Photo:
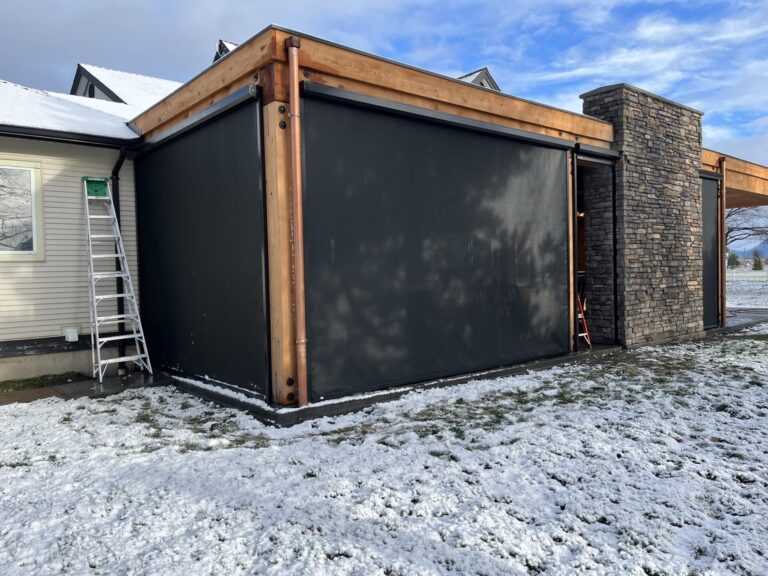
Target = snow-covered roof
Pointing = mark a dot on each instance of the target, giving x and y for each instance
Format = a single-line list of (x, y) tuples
[(135, 90), (24, 107)]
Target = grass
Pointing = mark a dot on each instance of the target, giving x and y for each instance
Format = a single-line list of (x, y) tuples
[(41, 381)]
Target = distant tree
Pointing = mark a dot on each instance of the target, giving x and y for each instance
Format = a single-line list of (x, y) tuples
[(757, 261), (733, 260), (746, 223)]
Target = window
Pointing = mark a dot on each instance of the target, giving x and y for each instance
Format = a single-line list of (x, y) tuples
[(20, 213)]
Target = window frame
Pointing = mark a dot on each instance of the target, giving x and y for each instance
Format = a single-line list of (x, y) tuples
[(37, 254)]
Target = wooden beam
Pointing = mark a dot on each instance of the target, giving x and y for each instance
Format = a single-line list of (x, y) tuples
[(277, 164), (333, 61), (222, 78), (747, 182), (384, 93), (367, 74)]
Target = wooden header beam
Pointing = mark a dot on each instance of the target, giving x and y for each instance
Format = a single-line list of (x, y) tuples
[(747, 182), (264, 56)]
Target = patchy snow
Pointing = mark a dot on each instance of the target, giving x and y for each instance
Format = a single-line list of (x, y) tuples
[(747, 293), (650, 462), (29, 108), (134, 89)]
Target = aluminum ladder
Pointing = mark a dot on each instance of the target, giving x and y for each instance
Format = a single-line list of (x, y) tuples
[(107, 261)]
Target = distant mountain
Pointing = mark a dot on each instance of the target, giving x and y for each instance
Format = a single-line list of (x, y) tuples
[(762, 248)]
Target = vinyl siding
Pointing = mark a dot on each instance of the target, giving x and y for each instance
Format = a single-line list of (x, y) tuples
[(39, 299)]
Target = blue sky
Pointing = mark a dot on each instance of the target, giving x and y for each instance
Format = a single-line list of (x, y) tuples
[(712, 55)]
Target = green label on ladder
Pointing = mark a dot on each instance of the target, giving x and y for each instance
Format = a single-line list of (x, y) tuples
[(96, 186)]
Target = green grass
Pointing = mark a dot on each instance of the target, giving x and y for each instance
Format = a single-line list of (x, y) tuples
[(41, 381)]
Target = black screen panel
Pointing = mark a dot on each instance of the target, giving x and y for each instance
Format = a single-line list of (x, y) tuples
[(202, 252), (710, 251), (431, 250)]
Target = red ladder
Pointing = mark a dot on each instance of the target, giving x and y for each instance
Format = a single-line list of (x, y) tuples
[(583, 330)]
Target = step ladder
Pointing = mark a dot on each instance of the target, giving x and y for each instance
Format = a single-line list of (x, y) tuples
[(583, 330), (107, 272)]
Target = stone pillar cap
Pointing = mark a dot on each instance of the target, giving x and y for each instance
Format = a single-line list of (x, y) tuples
[(624, 85)]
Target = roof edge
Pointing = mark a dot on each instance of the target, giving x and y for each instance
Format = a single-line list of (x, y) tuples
[(67, 137), (275, 27)]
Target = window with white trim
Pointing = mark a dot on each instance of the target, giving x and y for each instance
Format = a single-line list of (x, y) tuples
[(20, 218)]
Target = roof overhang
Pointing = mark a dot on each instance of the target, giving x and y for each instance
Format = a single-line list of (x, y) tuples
[(746, 183), (67, 137), (263, 59)]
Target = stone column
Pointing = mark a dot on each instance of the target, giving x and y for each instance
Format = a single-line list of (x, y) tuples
[(658, 191), (596, 183)]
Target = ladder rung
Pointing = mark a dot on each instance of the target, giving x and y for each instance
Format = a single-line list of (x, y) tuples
[(116, 255), (103, 236), (99, 198), (132, 358), (99, 275), (100, 217), (110, 296), (115, 318), (136, 336)]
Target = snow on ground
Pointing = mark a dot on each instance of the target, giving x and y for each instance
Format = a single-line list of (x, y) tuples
[(651, 462), (747, 293)]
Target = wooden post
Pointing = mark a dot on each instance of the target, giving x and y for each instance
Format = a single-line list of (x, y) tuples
[(571, 248), (277, 164), (721, 244)]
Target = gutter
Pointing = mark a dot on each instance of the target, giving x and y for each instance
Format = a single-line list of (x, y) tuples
[(68, 137)]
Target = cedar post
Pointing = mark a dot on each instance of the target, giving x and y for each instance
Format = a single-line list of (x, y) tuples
[(277, 164)]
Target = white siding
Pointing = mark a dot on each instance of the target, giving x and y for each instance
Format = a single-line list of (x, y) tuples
[(39, 299)]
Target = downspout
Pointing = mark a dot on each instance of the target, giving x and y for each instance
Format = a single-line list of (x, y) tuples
[(297, 220), (115, 178), (722, 246), (575, 240)]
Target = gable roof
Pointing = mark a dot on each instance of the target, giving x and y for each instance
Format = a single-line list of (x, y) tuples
[(136, 90), (26, 111), (481, 77), (223, 48)]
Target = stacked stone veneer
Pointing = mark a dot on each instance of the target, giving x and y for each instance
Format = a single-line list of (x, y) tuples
[(658, 191), (597, 186)]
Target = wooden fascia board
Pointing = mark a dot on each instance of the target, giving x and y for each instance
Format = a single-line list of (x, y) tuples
[(346, 65), (747, 182), (336, 65), (219, 79)]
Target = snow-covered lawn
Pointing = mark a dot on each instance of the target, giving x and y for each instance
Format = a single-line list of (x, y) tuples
[(747, 293), (654, 462)]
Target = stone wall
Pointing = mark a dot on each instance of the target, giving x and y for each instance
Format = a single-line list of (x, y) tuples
[(596, 184), (658, 190)]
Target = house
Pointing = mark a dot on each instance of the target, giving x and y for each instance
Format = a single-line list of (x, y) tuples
[(481, 77), (315, 222), (48, 142)]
